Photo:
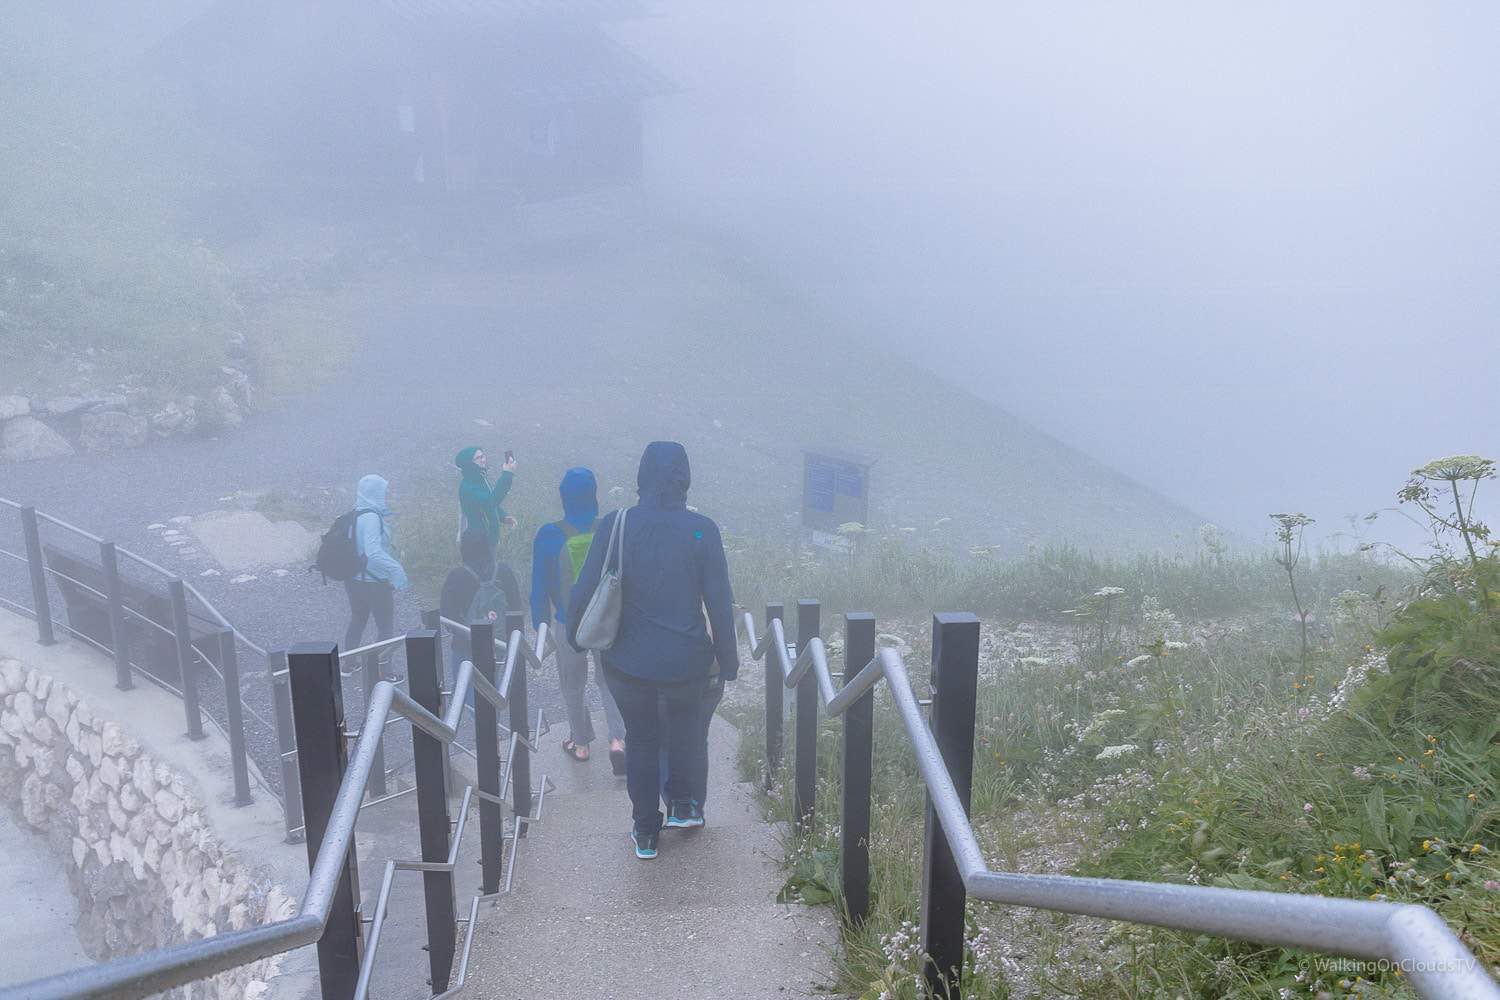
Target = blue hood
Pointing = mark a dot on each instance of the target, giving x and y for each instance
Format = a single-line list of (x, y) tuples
[(664, 476), (580, 498), (371, 494)]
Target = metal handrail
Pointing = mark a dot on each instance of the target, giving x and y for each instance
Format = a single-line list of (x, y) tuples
[(1436, 961), (154, 972)]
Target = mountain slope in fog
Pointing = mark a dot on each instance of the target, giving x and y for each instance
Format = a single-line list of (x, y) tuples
[(668, 337)]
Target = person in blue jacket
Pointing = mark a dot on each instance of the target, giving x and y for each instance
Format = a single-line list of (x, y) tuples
[(674, 572), (557, 556), (372, 591)]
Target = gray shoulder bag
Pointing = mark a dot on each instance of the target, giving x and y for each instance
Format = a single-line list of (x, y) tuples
[(600, 621)]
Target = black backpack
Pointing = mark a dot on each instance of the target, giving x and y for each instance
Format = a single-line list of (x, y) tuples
[(338, 553)]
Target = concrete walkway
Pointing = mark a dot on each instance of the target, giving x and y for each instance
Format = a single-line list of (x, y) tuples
[(45, 941), (586, 920)]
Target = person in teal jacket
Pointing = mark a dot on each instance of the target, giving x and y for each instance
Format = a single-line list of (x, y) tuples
[(479, 504)]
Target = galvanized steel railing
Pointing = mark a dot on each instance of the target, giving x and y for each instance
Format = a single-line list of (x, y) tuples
[(1413, 938), (220, 653), (334, 785)]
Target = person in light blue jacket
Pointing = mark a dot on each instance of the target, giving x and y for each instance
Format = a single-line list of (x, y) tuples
[(372, 591)]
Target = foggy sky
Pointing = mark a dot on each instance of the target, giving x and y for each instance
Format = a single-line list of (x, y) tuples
[(1247, 253)]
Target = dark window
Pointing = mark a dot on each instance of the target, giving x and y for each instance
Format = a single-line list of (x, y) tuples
[(850, 481)]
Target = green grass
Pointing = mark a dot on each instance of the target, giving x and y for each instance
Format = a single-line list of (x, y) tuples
[(1235, 763)]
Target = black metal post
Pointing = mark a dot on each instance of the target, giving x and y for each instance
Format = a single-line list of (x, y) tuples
[(805, 788), (369, 675), (487, 749), (432, 806), (41, 602), (318, 714), (859, 743), (286, 745), (955, 678), (182, 632), (775, 701), (520, 765), (118, 640), (229, 663), (433, 619)]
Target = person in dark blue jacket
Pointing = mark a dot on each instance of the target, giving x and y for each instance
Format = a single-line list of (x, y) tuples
[(557, 557), (674, 571)]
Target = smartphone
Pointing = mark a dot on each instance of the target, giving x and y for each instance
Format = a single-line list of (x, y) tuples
[(510, 456)]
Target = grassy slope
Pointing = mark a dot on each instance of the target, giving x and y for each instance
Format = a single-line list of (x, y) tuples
[(693, 345)]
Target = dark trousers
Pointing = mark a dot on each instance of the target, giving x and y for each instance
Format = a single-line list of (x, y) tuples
[(368, 598), (698, 776), (648, 729)]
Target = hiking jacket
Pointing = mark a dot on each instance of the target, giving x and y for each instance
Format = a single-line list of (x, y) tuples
[(580, 501), (372, 533), (462, 583), (674, 570), (479, 504)]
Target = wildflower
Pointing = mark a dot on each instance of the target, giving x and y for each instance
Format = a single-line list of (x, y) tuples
[(1361, 773), (1307, 807), (1108, 592), (1447, 876), (1476, 848), (1426, 845), (1428, 753), (1115, 752), (1492, 885), (1473, 797)]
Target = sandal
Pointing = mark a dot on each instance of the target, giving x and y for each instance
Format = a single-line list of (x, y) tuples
[(578, 751)]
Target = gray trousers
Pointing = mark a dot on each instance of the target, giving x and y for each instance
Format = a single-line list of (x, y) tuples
[(573, 678)]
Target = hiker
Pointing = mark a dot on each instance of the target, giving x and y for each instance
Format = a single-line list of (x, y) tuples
[(479, 506), (672, 568), (557, 555), (708, 704), (372, 590), (470, 593)]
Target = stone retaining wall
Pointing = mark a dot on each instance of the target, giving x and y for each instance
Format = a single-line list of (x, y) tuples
[(147, 869)]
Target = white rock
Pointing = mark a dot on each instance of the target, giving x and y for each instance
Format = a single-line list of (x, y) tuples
[(11, 723), (119, 847), (168, 806), (112, 430), (243, 578), (101, 851), (98, 790), (181, 519), (151, 853), (75, 767), (40, 686), (139, 828), (34, 802), (84, 714), (80, 851), (113, 739), (155, 526), (12, 676), (59, 706), (45, 731), (279, 572), (92, 745), (209, 572), (44, 760), (25, 708), (27, 439), (141, 774), (72, 730), (117, 817)]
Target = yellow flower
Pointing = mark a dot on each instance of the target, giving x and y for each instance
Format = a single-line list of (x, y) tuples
[(1473, 797), (1318, 869), (1426, 845), (1476, 848), (1447, 876), (1400, 759), (1428, 753), (1432, 739), (1297, 685)]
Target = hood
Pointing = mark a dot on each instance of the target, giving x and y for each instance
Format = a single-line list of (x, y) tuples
[(465, 461), (477, 553), (580, 498), (664, 476), (371, 494)]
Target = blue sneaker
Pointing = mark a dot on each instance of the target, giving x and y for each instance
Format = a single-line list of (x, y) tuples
[(685, 815), (645, 844)]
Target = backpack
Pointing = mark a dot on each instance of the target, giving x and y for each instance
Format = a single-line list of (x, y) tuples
[(488, 604), (575, 548), (339, 557)]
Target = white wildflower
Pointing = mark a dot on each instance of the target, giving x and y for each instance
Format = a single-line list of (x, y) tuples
[(1115, 752)]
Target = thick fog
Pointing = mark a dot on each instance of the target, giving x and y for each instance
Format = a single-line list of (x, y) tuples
[(1244, 252)]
